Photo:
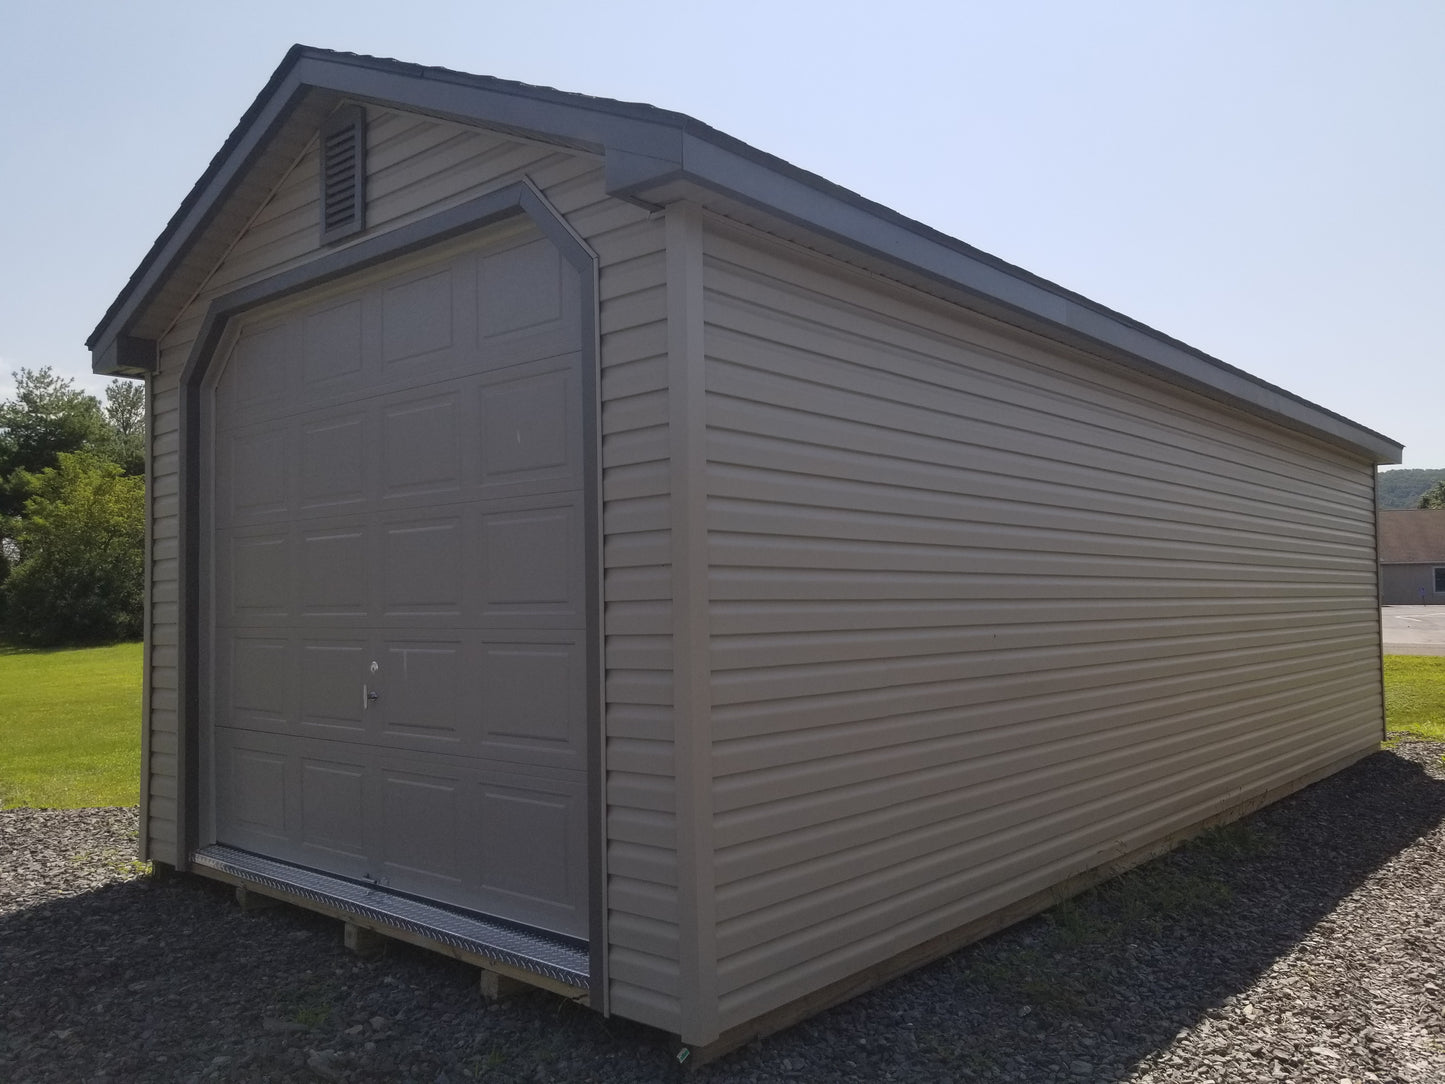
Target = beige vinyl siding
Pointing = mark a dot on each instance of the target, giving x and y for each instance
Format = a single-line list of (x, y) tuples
[(642, 899), (417, 166), (986, 614), (159, 773)]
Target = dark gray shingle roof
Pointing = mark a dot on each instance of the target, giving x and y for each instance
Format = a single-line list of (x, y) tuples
[(1412, 536)]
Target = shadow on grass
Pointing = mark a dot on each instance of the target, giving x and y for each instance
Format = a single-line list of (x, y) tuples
[(7, 648), (188, 986), (21, 649)]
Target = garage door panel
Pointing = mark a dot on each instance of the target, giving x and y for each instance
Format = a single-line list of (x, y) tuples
[(474, 833), (527, 305), (535, 700), (333, 465), (423, 568), (530, 569), (520, 289), (335, 572), (417, 317), (253, 480), (399, 479), (512, 698), (257, 685), (331, 351), (255, 802), (423, 826), (427, 324), (333, 673), (530, 425), (421, 445), (423, 701), (532, 854), (259, 587), (333, 814), (258, 374)]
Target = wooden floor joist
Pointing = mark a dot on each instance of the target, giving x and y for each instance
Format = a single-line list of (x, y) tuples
[(362, 941), (495, 986), (248, 899)]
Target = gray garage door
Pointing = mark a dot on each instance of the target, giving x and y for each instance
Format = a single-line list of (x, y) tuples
[(397, 685)]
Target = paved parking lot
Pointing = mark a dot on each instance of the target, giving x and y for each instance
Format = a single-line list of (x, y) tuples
[(1413, 630)]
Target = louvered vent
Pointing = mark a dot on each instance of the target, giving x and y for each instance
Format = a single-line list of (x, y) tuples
[(343, 173)]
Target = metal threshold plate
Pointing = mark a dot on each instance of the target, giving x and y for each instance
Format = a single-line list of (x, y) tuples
[(559, 958)]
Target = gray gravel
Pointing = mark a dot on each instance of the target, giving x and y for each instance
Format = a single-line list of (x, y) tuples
[(1305, 944)]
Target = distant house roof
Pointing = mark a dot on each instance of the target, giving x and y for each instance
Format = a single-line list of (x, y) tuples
[(1412, 537), (651, 157)]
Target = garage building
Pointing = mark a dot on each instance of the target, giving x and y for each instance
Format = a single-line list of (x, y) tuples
[(583, 541), (1412, 556)]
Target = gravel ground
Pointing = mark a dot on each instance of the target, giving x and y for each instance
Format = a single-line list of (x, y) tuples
[(1306, 943)]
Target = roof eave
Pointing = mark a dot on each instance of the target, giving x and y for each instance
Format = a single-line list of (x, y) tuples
[(649, 154), (996, 288), (595, 125)]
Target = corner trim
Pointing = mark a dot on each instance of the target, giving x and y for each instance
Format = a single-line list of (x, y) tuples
[(1379, 592), (692, 670), (143, 849)]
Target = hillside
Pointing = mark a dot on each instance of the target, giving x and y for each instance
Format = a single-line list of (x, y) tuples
[(1402, 488)]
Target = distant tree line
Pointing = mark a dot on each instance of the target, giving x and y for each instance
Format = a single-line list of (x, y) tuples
[(1434, 497), (72, 511), (1408, 487)]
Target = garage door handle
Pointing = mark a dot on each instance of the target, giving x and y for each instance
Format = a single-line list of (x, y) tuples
[(367, 697)]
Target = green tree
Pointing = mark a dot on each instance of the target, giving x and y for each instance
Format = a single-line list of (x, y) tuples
[(1434, 497), (48, 416), (78, 549), (125, 423)]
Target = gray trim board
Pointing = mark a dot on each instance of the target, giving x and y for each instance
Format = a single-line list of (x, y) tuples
[(1379, 590), (691, 624), (521, 198), (127, 355), (265, 116), (648, 151), (143, 851)]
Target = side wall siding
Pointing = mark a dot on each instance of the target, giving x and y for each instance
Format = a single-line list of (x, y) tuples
[(986, 615), (416, 167)]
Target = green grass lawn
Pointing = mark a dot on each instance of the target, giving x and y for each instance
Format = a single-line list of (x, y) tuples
[(1415, 695), (70, 721), (70, 727)]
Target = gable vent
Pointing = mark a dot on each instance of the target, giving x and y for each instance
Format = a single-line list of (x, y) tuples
[(343, 173)]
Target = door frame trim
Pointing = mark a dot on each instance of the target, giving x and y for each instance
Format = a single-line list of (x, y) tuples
[(522, 198)]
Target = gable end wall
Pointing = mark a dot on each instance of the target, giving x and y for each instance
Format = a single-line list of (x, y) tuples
[(416, 167)]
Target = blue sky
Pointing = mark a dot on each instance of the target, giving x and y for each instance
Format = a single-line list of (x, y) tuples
[(1264, 180)]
